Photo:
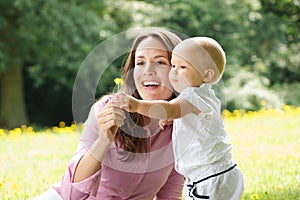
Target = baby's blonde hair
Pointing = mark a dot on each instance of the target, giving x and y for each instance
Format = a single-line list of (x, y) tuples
[(203, 53), (216, 52)]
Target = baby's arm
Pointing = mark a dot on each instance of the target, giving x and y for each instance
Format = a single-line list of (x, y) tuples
[(158, 109)]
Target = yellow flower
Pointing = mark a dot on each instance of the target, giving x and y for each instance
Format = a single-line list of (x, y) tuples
[(55, 129), (263, 103), (23, 127), (62, 124), (2, 132), (254, 196), (44, 180), (279, 187), (29, 129), (15, 186), (118, 82), (18, 130)]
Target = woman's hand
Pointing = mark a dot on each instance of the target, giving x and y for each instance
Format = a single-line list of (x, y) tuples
[(109, 119), (164, 122)]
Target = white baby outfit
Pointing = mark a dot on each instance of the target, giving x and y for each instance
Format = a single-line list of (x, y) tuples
[(202, 151)]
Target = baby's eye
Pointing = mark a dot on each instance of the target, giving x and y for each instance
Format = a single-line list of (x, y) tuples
[(173, 66), (182, 67)]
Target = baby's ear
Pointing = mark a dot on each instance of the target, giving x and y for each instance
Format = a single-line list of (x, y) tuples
[(208, 75)]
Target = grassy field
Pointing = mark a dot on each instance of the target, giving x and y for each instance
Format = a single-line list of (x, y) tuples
[(266, 146)]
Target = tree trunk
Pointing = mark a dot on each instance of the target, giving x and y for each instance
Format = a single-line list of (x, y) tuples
[(12, 101)]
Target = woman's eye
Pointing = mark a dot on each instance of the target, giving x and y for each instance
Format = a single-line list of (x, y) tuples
[(161, 63), (139, 63)]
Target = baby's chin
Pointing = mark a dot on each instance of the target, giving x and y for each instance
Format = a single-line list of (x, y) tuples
[(179, 89)]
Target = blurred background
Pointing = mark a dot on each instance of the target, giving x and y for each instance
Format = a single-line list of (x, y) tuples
[(43, 44)]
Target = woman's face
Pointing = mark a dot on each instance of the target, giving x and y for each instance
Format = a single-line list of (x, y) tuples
[(151, 71)]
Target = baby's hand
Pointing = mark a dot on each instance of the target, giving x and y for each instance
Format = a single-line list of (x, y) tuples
[(164, 122), (125, 101)]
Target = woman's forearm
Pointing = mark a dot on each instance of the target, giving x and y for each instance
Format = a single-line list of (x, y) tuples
[(90, 163)]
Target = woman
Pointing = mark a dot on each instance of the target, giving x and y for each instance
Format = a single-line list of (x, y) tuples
[(136, 160)]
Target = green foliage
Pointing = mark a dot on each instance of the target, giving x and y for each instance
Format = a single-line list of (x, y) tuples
[(54, 37), (247, 90), (224, 21), (57, 39), (259, 36), (275, 42), (289, 92), (51, 39)]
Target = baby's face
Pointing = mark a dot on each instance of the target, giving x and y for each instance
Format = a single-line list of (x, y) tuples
[(183, 74)]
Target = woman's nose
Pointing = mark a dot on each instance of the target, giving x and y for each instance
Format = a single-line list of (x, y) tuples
[(149, 69)]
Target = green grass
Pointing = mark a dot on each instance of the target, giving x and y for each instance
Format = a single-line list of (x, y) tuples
[(267, 150), (31, 163), (265, 146)]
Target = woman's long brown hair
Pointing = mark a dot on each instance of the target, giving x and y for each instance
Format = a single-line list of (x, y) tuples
[(131, 137)]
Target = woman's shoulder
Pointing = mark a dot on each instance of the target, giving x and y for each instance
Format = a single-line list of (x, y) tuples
[(103, 100), (100, 103)]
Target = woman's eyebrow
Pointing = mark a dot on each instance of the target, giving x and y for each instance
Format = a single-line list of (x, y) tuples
[(159, 56), (155, 57)]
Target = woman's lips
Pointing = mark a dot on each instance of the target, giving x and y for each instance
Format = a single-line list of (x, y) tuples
[(150, 85)]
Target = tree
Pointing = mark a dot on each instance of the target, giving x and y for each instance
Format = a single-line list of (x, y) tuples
[(260, 38), (280, 23), (50, 39)]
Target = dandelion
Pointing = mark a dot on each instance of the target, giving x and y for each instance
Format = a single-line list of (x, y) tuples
[(2, 132), (24, 127), (287, 108), (73, 126), (1, 185), (29, 129), (62, 124), (254, 196), (279, 187), (44, 180), (17, 130), (55, 129), (263, 103), (118, 82), (15, 187)]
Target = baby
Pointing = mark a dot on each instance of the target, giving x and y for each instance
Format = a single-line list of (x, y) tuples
[(201, 148)]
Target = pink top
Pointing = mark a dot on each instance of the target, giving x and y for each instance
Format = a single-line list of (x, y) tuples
[(145, 177)]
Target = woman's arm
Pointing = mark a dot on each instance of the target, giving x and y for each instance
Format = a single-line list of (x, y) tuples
[(158, 109), (89, 163), (82, 176), (108, 119)]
